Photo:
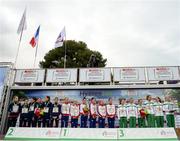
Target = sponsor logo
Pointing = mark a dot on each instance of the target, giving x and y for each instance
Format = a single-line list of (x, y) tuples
[(109, 134), (52, 133), (167, 133)]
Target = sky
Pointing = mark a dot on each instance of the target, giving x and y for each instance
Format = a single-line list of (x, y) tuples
[(126, 32)]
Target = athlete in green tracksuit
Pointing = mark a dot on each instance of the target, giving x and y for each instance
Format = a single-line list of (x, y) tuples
[(159, 115), (150, 112), (169, 109), (141, 118), (132, 113), (122, 113)]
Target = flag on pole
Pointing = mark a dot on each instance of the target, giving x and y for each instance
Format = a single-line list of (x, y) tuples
[(60, 39), (34, 40), (22, 25)]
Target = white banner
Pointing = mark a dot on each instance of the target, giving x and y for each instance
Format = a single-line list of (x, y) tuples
[(91, 134), (129, 74), (163, 73), (61, 75), (33, 133), (95, 75), (147, 133), (30, 76)]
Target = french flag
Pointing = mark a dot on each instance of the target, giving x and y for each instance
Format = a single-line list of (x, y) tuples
[(34, 40)]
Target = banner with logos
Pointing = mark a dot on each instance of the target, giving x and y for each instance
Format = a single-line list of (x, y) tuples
[(95, 75), (33, 133), (91, 134), (30, 76), (129, 75), (163, 73), (61, 75)]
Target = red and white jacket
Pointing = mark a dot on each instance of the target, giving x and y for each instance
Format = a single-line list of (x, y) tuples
[(111, 110), (65, 109), (102, 111), (74, 111)]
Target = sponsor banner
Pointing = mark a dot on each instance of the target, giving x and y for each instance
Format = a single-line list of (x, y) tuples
[(95, 75), (91, 134), (129, 74), (88, 133), (3, 74), (61, 75), (147, 133), (30, 76), (33, 133), (163, 73)]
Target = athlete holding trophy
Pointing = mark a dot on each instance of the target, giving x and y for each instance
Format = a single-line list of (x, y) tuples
[(141, 114), (111, 111), (84, 111)]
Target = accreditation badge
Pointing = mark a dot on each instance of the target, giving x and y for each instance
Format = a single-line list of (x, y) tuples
[(15, 108), (31, 108), (170, 107), (76, 111), (111, 109), (24, 110), (46, 109), (55, 109)]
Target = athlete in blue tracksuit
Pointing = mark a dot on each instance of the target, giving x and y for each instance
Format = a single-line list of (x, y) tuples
[(24, 117), (55, 113), (32, 106), (13, 112), (47, 112)]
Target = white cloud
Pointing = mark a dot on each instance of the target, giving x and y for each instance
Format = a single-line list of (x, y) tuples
[(126, 32)]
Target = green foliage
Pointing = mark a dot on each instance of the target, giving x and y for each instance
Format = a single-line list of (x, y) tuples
[(20, 94), (176, 94), (77, 55)]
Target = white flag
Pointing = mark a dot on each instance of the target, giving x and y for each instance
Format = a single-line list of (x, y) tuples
[(60, 39), (22, 24)]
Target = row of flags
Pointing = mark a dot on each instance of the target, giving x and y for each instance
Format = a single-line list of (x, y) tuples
[(34, 40)]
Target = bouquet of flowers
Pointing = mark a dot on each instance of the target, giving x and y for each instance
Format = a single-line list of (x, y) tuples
[(143, 113)]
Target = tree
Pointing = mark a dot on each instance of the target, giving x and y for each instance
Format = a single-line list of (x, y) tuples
[(176, 94), (77, 55)]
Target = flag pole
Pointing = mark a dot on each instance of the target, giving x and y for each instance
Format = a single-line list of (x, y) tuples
[(38, 30), (65, 50), (18, 47), (23, 19), (36, 54)]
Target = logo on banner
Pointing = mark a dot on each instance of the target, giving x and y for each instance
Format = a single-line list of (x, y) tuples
[(95, 74), (51, 133), (129, 74), (163, 73), (29, 75), (61, 74)]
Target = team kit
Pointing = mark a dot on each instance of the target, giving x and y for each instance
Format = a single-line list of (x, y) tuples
[(151, 112)]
